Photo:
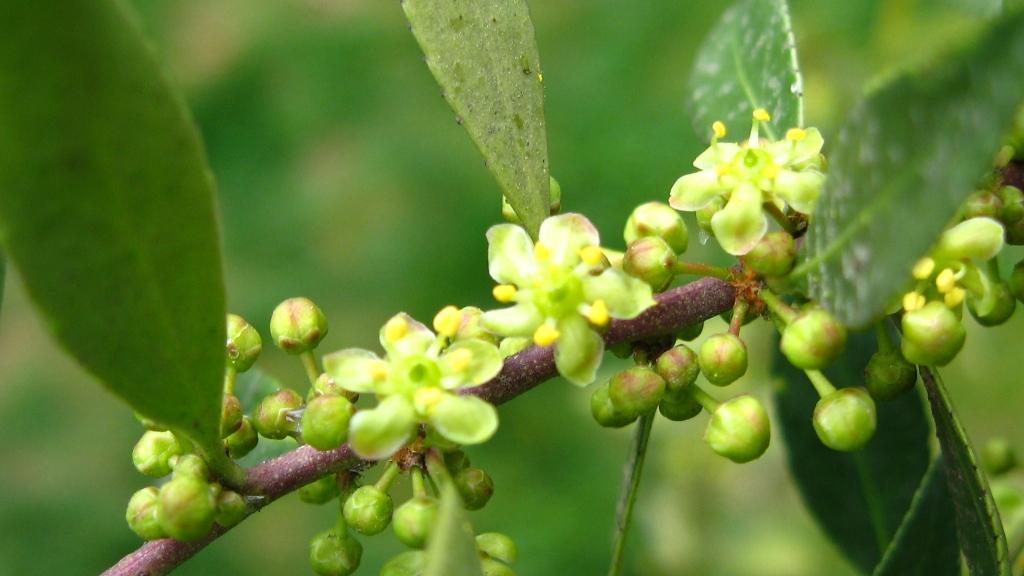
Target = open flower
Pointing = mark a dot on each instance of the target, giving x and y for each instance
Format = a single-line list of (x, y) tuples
[(562, 290), (746, 176), (416, 382)]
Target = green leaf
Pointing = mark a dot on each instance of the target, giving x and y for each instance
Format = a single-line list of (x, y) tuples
[(108, 209), (484, 56), (452, 550), (977, 520), (926, 543), (858, 498), (906, 158), (748, 61)]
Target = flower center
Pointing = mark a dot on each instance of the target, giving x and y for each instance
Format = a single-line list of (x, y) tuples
[(558, 293), (416, 372)]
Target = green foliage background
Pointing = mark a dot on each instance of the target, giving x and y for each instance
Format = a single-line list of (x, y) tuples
[(344, 177)]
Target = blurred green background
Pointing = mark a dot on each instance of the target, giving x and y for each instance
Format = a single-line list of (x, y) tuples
[(344, 177)]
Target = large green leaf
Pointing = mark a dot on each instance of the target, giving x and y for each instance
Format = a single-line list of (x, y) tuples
[(858, 498), (748, 61), (926, 543), (108, 211), (905, 159), (977, 519), (452, 549), (484, 56)]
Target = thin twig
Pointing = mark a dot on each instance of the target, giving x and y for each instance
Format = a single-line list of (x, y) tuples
[(630, 486)]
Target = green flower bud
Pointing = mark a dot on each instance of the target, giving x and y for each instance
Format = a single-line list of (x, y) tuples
[(243, 440), (652, 260), (325, 422), (704, 214), (555, 195), (497, 546), (605, 413), (636, 390), (997, 456), (1001, 305), (475, 486), (691, 332), (297, 325), (679, 368), (368, 510), (977, 238), (456, 461), (494, 568), (414, 520), (153, 452), (187, 508), (982, 203), (845, 419), (408, 563), (231, 508), (679, 407), (723, 359), (272, 417), (142, 514), (739, 429), (230, 415), (320, 491), (190, 466), (889, 375), (657, 219), (334, 553), (325, 385), (932, 335), (472, 327), (1013, 205), (773, 255), (1016, 281), (813, 340), (243, 345)]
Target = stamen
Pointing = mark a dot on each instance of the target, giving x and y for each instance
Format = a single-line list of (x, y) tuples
[(447, 321), (945, 281), (924, 268), (913, 301), (546, 335), (762, 115), (505, 293), (592, 255), (719, 129), (598, 313), (796, 134), (396, 329), (954, 297)]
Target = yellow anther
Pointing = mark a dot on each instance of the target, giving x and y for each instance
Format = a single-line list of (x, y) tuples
[(954, 297), (924, 268), (460, 359), (541, 252), (545, 335), (770, 171), (379, 371), (427, 398), (719, 129), (913, 301), (396, 329), (761, 115), (796, 134), (447, 321), (504, 293), (598, 313), (945, 281), (592, 255)]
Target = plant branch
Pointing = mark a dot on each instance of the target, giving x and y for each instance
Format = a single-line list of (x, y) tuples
[(630, 486), (270, 480)]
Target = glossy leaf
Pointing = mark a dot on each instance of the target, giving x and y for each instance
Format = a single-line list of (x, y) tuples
[(108, 209), (858, 498), (748, 61), (977, 519), (905, 159), (452, 549), (484, 56), (926, 543)]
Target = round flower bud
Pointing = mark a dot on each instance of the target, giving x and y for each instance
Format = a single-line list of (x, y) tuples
[(456, 461), (187, 508), (679, 407), (773, 255), (982, 203), (932, 335), (334, 553), (142, 514), (555, 195), (153, 452), (723, 359), (497, 546), (606, 413), (651, 260), (657, 219), (231, 508), (325, 385), (475, 486), (977, 238), (494, 568), (413, 521), (636, 390), (813, 340), (190, 466), (739, 429), (243, 440), (319, 491), (1016, 281), (271, 417), (845, 419), (997, 456), (679, 368), (368, 510), (471, 326), (230, 415), (243, 344), (1002, 305), (691, 332), (1013, 205), (297, 325), (408, 563), (889, 375), (325, 422)]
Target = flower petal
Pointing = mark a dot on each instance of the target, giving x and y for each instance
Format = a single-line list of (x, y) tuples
[(468, 363), (980, 238), (379, 432), (799, 189), (464, 419), (625, 296), (565, 235), (510, 254), (579, 351), (415, 338), (742, 222), (695, 191), (354, 369), (519, 320), (722, 153)]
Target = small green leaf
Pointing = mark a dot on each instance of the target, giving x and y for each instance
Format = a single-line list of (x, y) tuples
[(858, 498), (452, 550), (977, 520), (748, 61), (926, 543), (484, 56), (108, 209), (906, 158)]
